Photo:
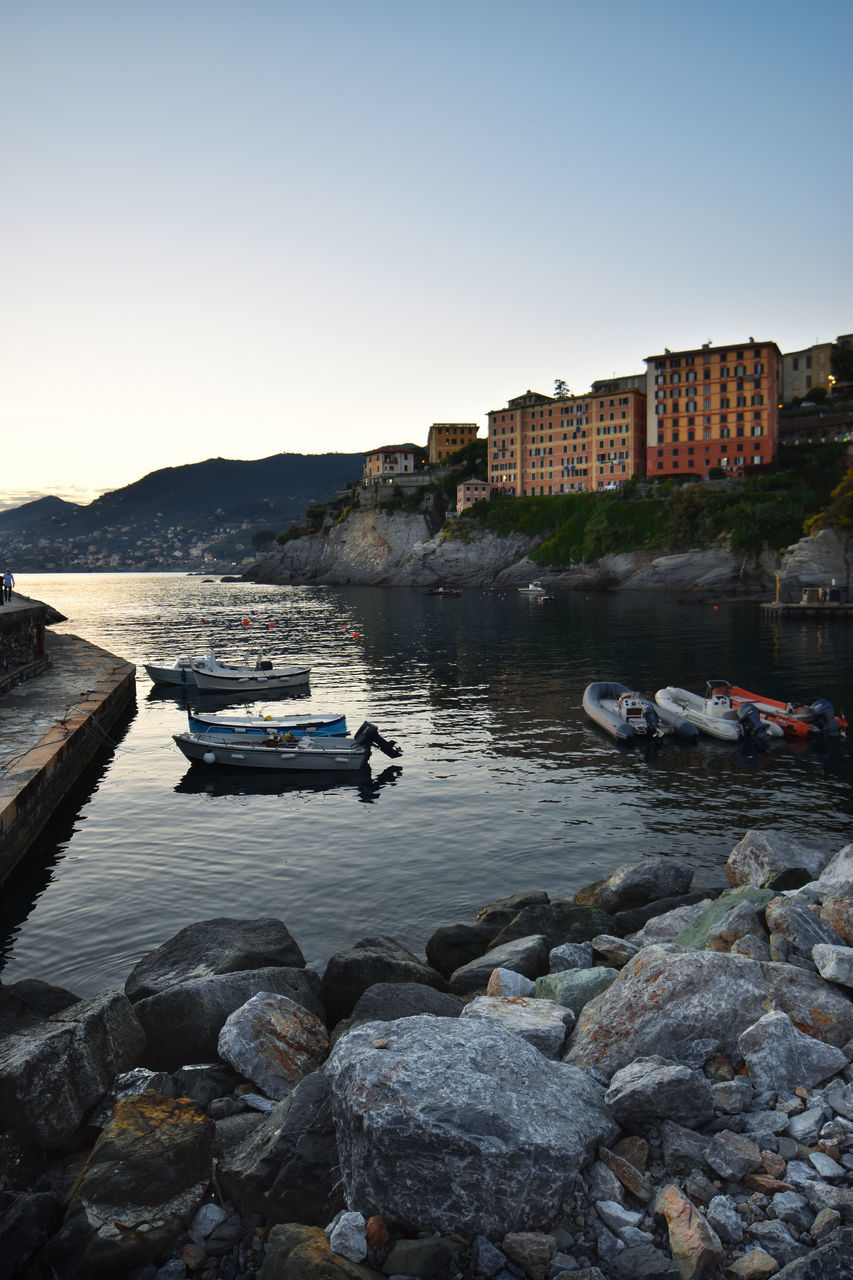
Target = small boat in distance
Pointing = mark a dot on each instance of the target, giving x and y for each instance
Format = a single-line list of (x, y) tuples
[(796, 719), (258, 677), (533, 589), (715, 715), (626, 715), (328, 724), (444, 591), (302, 755)]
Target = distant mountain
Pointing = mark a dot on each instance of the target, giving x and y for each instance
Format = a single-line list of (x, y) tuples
[(32, 514), (157, 519)]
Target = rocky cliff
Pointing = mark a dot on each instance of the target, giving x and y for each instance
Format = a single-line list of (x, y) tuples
[(382, 548)]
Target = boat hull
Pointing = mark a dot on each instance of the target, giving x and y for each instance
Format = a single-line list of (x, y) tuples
[(306, 755), (801, 721), (178, 673), (601, 704), (250, 681), (261, 726)]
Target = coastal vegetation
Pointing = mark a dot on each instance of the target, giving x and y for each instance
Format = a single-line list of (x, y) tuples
[(805, 488)]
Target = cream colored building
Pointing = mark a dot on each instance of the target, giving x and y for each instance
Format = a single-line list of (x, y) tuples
[(803, 370)]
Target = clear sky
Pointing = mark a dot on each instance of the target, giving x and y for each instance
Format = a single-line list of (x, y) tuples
[(246, 227)]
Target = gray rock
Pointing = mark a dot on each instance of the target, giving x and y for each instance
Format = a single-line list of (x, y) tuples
[(455, 945), (129, 1084), (666, 998), (642, 1262), (668, 925), (793, 1208), (223, 945), (347, 1236), (53, 1074), (487, 1260), (506, 982), (634, 884), (697, 932), (274, 1042), (831, 1261), (446, 1090), (835, 963), (424, 1259), (760, 856), (558, 922), (27, 1220), (350, 973), (651, 1089), (615, 1216), (838, 871), (733, 1156), (742, 921), (541, 1023), (806, 1126), (826, 1167), (232, 1130), (683, 1150), (182, 1023), (615, 952), (573, 988), (602, 1183), (839, 1097), (725, 1220), (387, 1001), (753, 945), (570, 955), (780, 1057), (203, 1082), (802, 928), (776, 1239), (528, 956), (732, 1096), (286, 1169)]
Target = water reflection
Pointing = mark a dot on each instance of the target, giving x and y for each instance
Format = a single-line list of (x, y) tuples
[(201, 780)]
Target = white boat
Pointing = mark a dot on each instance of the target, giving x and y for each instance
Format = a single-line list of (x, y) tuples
[(714, 713), (533, 589), (302, 755), (323, 724), (261, 677), (626, 715), (179, 672)]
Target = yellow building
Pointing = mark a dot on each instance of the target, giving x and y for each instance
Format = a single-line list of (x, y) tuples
[(804, 370), (446, 437)]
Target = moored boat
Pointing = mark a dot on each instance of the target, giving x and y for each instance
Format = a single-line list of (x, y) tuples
[(797, 719), (308, 754), (533, 588), (328, 724), (179, 672), (626, 715), (715, 715), (444, 591), (262, 677)]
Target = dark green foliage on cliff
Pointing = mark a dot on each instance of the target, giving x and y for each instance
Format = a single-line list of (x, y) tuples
[(753, 511)]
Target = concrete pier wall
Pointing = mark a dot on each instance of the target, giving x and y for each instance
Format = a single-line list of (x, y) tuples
[(51, 727)]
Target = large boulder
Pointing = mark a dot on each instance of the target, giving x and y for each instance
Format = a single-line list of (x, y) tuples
[(444, 1094), (635, 884), (666, 999), (527, 956), (453, 945), (274, 1042), (387, 1001), (54, 1072), (287, 1168), (761, 856), (145, 1178), (295, 1251), (183, 1022), (558, 922), (223, 945), (349, 973)]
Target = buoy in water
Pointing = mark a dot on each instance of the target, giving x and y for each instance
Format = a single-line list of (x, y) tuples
[(355, 635), (245, 622), (270, 625)]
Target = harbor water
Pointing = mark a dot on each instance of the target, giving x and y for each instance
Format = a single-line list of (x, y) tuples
[(504, 785)]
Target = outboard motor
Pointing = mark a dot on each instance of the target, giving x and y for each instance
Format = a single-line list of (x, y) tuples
[(751, 724), (367, 735), (825, 716)]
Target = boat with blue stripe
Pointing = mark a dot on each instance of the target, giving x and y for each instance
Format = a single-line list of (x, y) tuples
[(325, 724)]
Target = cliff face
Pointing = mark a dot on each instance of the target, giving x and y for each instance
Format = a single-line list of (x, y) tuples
[(380, 548)]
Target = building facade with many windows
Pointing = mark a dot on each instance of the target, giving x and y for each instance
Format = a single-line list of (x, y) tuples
[(541, 444), (446, 437), (712, 407)]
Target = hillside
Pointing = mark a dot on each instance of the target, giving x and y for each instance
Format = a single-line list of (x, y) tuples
[(170, 517)]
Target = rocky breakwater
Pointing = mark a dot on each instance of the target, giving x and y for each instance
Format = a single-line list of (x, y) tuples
[(641, 1082)]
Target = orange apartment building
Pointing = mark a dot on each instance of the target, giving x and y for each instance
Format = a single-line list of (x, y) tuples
[(541, 444), (446, 437), (712, 407)]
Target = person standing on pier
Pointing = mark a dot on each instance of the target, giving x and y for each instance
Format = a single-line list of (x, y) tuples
[(8, 584)]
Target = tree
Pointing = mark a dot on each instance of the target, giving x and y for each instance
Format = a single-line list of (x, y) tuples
[(262, 538), (561, 389)]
